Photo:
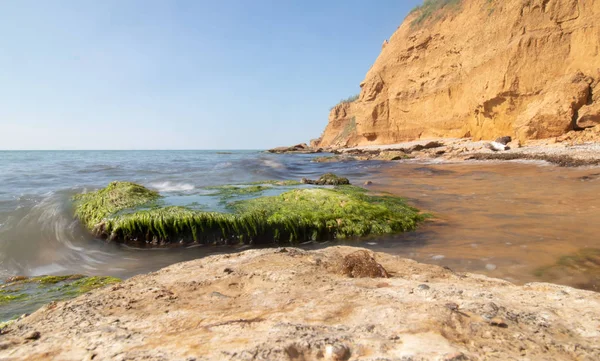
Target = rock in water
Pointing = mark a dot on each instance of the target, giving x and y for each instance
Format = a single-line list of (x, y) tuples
[(504, 140), (129, 213), (497, 147), (328, 179)]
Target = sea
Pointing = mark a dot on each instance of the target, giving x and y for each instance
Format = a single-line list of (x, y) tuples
[(502, 219)]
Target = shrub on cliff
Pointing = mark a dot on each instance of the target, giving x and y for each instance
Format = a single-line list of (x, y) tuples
[(429, 8), (350, 99)]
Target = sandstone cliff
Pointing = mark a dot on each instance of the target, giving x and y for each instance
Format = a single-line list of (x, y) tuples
[(480, 69)]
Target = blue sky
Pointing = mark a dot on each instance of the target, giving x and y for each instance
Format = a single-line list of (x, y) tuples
[(231, 74)]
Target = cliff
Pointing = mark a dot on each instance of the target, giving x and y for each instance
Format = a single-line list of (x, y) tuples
[(480, 69), (339, 303)]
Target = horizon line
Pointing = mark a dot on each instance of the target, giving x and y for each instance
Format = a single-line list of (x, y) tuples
[(121, 150)]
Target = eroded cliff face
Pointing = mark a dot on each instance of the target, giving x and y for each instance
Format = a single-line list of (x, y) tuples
[(482, 69)]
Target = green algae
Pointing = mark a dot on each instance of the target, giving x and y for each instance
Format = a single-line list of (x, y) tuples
[(54, 279), (5, 324), (230, 191), (87, 284), (276, 182), (93, 207), (329, 179), (296, 215), (320, 214), (7, 296), (25, 295)]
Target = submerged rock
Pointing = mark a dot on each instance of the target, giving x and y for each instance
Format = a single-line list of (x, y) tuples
[(328, 179), (581, 268), (296, 305), (25, 294), (130, 213)]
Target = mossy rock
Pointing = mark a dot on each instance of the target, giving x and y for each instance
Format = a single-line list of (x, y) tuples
[(94, 207), (296, 215), (328, 179), (21, 295)]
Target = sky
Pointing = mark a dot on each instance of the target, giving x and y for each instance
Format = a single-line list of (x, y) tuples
[(197, 74)]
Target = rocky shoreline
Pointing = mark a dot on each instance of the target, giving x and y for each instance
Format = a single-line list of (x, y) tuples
[(561, 153), (340, 303)]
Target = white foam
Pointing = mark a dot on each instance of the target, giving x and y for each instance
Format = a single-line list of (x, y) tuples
[(172, 187), (272, 163), (223, 165)]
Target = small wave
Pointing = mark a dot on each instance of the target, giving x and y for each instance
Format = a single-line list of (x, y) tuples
[(172, 187), (272, 164), (223, 165)]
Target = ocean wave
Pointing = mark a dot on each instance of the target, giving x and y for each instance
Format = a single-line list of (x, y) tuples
[(272, 164), (171, 187), (223, 165)]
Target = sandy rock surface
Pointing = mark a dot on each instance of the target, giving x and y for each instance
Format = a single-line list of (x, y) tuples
[(289, 304)]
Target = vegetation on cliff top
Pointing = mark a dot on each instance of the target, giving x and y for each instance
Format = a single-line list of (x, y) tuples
[(304, 214), (430, 8), (350, 99)]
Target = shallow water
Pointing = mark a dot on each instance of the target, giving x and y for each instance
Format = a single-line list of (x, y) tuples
[(38, 234), (501, 219), (504, 219)]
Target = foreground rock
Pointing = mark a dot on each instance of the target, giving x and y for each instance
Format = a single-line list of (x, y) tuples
[(531, 72), (130, 213), (289, 304)]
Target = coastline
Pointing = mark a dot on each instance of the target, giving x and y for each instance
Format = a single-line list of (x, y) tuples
[(290, 304), (561, 153)]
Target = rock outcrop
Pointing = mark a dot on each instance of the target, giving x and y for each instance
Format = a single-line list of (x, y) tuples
[(298, 148), (479, 69), (339, 303)]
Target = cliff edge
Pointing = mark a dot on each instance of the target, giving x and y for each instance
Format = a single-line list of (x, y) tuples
[(481, 69)]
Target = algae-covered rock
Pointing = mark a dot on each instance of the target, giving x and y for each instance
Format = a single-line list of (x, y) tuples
[(296, 215), (93, 207), (328, 179), (21, 295)]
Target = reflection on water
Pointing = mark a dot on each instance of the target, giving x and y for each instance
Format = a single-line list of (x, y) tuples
[(506, 220), (502, 219)]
